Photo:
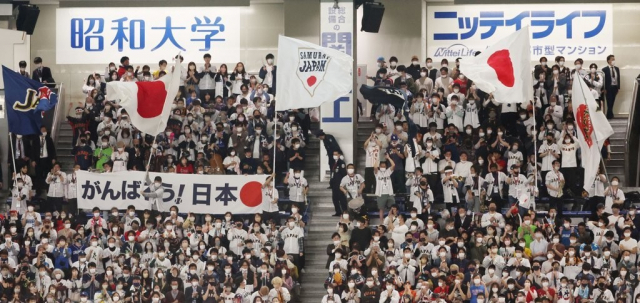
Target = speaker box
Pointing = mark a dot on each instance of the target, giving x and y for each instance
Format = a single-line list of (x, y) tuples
[(27, 18), (372, 17)]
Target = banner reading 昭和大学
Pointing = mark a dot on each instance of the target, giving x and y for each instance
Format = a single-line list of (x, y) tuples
[(212, 194), (573, 31), (146, 34)]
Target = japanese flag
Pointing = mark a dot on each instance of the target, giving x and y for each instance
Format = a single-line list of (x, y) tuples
[(503, 69), (593, 129), (309, 74), (147, 103)]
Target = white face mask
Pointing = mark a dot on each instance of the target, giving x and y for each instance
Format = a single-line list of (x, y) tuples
[(350, 170), (614, 183)]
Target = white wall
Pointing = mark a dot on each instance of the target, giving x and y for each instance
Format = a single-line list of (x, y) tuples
[(399, 34), (261, 24), (13, 48)]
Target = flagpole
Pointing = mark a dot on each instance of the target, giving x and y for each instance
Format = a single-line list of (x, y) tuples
[(275, 143), (535, 149), (604, 168), (13, 156), (152, 148)]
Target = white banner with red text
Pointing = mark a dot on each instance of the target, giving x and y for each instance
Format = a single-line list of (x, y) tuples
[(201, 194)]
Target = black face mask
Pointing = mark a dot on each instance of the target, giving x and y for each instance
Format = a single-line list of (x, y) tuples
[(423, 183)]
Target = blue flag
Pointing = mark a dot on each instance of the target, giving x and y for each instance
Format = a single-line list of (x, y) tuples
[(25, 101)]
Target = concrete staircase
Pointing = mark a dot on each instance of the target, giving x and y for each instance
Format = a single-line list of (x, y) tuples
[(365, 128), (320, 228), (323, 225), (64, 146), (616, 166)]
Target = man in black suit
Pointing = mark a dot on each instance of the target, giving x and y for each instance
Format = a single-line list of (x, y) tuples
[(432, 72), (611, 83), (41, 74), (338, 171), (45, 155), (462, 220), (193, 293), (330, 145)]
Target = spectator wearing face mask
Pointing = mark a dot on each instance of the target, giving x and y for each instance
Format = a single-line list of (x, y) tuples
[(41, 73), (20, 197), (593, 77), (424, 82), (444, 81), (412, 69), (549, 152), (268, 76), (611, 83)]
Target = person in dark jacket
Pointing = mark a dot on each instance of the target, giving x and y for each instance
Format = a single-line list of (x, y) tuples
[(330, 145), (268, 74), (41, 74), (83, 154), (370, 291), (45, 153), (338, 171), (79, 123), (248, 165), (414, 68), (361, 234)]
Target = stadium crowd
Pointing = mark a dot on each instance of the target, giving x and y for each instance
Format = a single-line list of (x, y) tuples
[(459, 179), (223, 122)]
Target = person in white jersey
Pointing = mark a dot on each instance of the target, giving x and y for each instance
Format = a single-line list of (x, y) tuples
[(384, 188)]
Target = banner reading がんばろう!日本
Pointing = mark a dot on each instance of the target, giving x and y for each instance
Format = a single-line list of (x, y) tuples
[(213, 194)]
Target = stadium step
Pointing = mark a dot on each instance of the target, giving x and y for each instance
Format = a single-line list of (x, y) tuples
[(320, 228), (64, 146), (616, 166)]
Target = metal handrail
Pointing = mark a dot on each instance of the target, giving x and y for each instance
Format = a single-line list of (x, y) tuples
[(631, 142), (55, 124)]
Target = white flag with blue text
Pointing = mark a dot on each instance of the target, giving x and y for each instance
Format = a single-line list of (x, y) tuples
[(309, 75)]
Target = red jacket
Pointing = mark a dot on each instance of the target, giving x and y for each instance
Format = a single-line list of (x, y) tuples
[(184, 169), (121, 70)]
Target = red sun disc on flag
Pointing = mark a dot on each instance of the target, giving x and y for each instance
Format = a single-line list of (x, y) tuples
[(500, 61), (251, 194), (151, 96), (583, 119)]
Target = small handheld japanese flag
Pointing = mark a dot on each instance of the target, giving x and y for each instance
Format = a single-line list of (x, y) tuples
[(147, 103), (309, 74), (503, 69), (593, 129)]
